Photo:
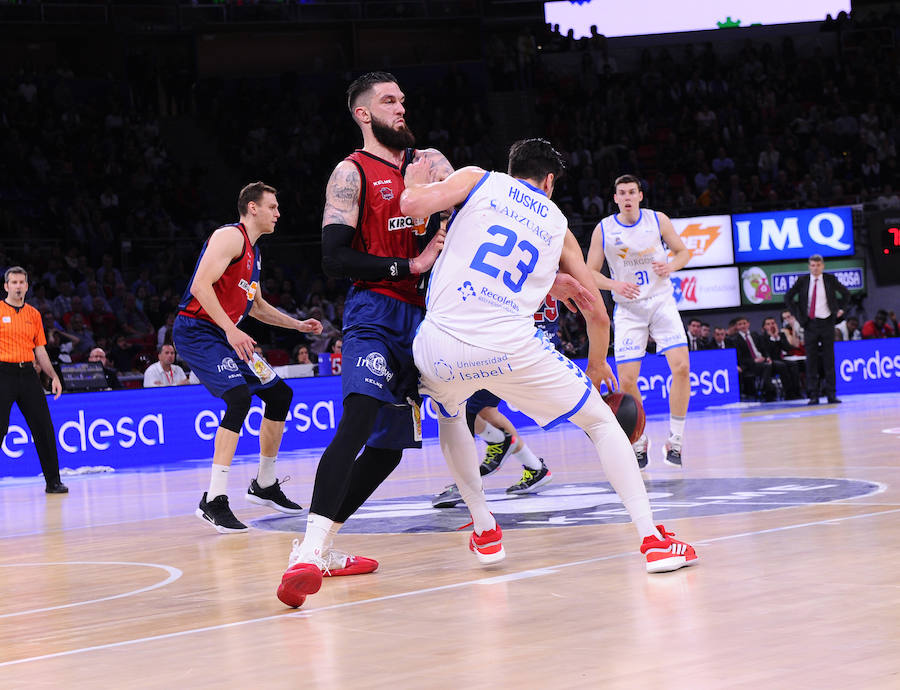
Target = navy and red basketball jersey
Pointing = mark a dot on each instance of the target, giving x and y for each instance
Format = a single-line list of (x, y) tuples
[(382, 230), (236, 288), (547, 319)]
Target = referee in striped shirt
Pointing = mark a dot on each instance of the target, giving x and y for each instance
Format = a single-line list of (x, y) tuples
[(22, 341)]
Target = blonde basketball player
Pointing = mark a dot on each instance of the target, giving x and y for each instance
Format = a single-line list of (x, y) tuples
[(630, 241)]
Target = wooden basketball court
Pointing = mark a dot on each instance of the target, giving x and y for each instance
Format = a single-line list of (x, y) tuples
[(119, 585)]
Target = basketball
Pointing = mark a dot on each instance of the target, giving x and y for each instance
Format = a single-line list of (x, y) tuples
[(629, 412)]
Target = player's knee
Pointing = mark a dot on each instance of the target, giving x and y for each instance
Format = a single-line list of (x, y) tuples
[(680, 368), (278, 401), (237, 405)]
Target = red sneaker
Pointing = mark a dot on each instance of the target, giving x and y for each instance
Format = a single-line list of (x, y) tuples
[(667, 553), (298, 581), (487, 547), (338, 563)]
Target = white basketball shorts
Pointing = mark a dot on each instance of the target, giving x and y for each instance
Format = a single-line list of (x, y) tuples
[(634, 321), (536, 379)]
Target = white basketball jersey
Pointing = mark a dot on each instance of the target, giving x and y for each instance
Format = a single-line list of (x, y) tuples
[(630, 251), (499, 260)]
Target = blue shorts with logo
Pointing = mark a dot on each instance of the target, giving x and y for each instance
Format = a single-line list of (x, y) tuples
[(206, 350), (378, 362)]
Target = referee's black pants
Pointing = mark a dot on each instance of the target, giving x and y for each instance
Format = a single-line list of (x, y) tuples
[(21, 385)]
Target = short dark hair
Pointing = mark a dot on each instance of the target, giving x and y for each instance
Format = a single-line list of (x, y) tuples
[(703, 323), (769, 318), (628, 179), (534, 159), (362, 84), (733, 321), (694, 319), (252, 192), (816, 257), (14, 269)]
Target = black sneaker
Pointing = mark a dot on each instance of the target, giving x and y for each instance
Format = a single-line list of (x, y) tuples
[(641, 451), (448, 498), (531, 480), (56, 488), (496, 454), (217, 513), (672, 451), (273, 497)]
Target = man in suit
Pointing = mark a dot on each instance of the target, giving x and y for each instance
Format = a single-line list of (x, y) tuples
[(719, 341), (754, 367), (818, 301)]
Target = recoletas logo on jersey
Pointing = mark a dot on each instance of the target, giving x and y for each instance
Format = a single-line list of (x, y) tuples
[(466, 291), (565, 505)]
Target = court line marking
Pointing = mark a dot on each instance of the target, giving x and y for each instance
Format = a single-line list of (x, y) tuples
[(534, 572), (174, 574), (880, 488)]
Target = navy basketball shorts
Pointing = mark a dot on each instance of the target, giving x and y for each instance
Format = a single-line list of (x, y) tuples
[(206, 350), (480, 400), (377, 361)]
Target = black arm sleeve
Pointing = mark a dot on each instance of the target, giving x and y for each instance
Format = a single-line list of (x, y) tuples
[(340, 260)]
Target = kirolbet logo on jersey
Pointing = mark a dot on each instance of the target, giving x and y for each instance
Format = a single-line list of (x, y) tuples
[(249, 288), (416, 225)]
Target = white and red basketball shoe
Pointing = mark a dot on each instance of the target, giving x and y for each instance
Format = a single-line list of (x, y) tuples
[(667, 553), (298, 581), (487, 546)]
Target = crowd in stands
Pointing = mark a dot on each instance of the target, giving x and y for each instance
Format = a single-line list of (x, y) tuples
[(708, 133), (88, 171)]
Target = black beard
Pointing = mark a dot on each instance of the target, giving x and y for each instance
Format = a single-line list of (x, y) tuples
[(394, 139)]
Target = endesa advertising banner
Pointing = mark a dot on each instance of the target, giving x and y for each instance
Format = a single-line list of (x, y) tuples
[(168, 426), (708, 238), (795, 234), (867, 366), (706, 288), (765, 283)]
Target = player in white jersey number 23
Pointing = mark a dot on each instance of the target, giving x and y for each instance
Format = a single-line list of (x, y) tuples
[(504, 246)]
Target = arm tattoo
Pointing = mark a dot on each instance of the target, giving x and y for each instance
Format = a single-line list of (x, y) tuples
[(342, 196), (438, 166)]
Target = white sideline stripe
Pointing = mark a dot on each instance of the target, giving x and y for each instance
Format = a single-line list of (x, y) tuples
[(306, 614), (174, 574)]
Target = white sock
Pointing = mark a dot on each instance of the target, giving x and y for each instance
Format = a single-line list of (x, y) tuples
[(527, 458), (619, 463), (218, 481), (492, 434), (458, 447), (332, 533), (318, 528), (676, 426), (265, 475)]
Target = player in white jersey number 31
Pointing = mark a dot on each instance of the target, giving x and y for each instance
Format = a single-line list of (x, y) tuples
[(631, 242), (504, 246)]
